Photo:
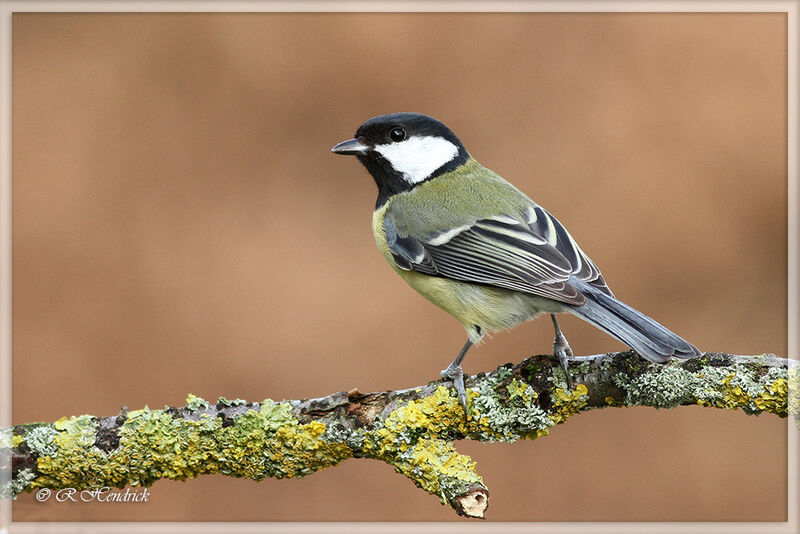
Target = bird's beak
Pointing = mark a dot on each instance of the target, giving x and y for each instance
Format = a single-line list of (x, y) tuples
[(351, 147)]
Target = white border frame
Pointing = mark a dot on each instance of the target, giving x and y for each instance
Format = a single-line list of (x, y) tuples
[(7, 8)]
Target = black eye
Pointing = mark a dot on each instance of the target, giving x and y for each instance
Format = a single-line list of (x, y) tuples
[(397, 134)]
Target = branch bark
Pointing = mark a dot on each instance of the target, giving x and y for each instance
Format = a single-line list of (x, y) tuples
[(412, 429)]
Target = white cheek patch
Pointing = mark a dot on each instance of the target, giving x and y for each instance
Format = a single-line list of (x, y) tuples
[(417, 157)]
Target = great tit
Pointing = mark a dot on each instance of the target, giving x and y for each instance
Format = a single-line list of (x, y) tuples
[(480, 249)]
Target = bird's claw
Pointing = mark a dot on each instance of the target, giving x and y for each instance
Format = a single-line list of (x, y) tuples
[(563, 352), (456, 375)]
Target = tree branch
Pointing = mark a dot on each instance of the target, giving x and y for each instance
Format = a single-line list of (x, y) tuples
[(412, 429)]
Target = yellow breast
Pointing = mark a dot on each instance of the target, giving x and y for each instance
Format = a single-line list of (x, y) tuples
[(490, 308)]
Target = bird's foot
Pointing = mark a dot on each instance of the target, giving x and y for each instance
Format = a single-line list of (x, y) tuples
[(563, 352), (456, 375)]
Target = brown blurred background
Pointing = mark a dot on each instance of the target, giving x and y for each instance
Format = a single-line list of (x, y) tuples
[(180, 226)]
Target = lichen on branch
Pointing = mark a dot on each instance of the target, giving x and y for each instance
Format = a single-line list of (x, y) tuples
[(413, 430)]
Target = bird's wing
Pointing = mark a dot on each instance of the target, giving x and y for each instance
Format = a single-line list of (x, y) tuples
[(535, 255), (583, 268)]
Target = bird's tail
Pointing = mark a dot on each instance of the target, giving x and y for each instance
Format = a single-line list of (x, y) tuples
[(651, 340)]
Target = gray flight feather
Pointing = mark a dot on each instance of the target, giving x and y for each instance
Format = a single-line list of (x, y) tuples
[(644, 335)]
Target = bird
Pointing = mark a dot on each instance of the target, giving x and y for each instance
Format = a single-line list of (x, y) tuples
[(480, 249)]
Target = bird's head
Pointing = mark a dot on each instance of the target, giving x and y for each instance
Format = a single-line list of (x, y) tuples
[(401, 150)]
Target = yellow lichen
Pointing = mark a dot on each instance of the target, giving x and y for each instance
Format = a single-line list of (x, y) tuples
[(77, 459), (612, 401), (520, 389), (153, 444), (732, 396), (774, 399), (413, 440), (538, 433), (568, 404)]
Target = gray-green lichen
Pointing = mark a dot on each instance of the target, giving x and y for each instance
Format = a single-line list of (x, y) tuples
[(739, 385), (665, 388), (337, 432), (41, 440), (5, 438), (509, 416), (231, 402), (194, 402), (18, 484)]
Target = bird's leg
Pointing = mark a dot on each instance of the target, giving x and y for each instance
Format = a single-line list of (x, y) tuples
[(454, 373), (561, 349)]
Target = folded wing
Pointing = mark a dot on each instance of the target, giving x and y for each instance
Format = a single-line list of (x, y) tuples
[(533, 254)]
